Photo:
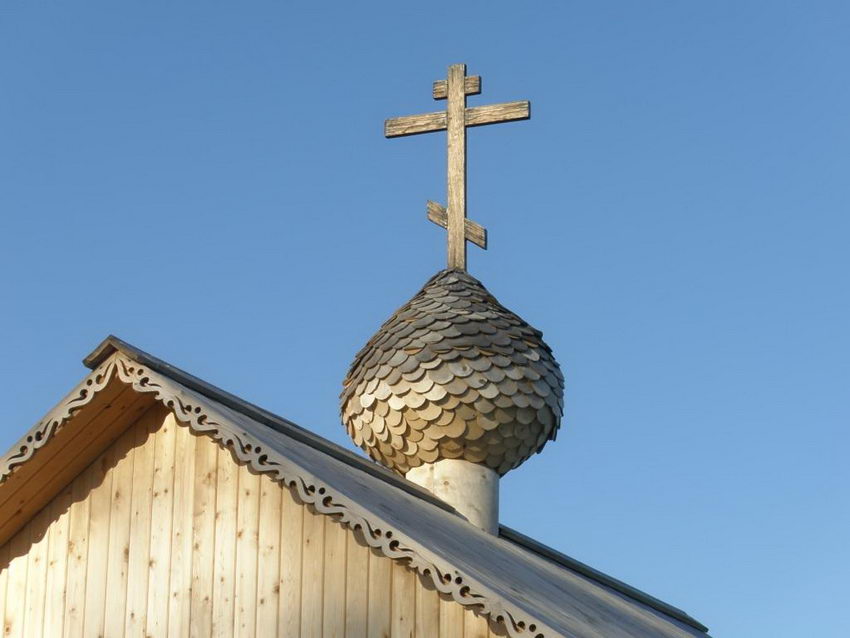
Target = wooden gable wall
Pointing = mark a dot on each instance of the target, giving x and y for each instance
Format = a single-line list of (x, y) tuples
[(165, 535)]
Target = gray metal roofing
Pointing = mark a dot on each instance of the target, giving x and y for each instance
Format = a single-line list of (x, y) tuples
[(555, 590)]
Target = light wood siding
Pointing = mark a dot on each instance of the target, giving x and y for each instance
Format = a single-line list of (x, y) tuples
[(166, 535)]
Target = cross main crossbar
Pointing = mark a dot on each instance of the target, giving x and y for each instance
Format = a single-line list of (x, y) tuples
[(474, 116)]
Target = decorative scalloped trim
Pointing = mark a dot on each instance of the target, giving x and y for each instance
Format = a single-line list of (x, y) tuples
[(45, 429), (309, 490)]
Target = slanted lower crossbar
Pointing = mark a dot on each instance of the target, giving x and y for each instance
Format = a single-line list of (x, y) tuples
[(476, 233)]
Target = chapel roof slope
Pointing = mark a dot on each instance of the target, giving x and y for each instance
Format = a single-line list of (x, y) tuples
[(530, 589)]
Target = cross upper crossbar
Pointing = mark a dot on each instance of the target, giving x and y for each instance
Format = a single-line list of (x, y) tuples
[(455, 120)]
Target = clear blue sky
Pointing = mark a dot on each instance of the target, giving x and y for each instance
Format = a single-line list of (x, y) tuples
[(209, 181)]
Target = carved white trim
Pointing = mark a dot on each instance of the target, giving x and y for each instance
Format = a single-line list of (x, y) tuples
[(45, 429), (245, 450)]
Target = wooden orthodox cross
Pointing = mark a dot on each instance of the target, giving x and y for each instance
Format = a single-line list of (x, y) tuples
[(455, 120)]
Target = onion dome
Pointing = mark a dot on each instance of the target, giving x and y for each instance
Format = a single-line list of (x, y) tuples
[(453, 375)]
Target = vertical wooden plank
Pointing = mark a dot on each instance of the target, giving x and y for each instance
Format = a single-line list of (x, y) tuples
[(312, 574), (427, 608), (37, 572), (268, 567), (333, 615), (203, 537), (118, 544), (403, 600), (4, 579), (291, 548), (451, 618), (179, 603), (225, 544), (474, 626), (356, 585), (16, 586), (100, 498), (162, 501), (380, 594), (57, 560), (140, 525), (247, 536), (78, 545)]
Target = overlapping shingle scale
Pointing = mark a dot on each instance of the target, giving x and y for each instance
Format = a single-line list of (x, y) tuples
[(453, 374)]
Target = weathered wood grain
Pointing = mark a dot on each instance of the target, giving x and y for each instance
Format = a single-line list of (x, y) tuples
[(140, 525), (268, 563), (118, 545), (99, 477), (247, 537), (474, 626), (451, 618), (78, 544), (291, 541), (16, 586), (403, 601), (57, 559), (356, 585), (380, 592), (471, 86), (415, 124), (456, 186), (312, 574), (203, 537), (335, 564), (162, 502), (224, 585), (474, 232), (180, 569), (496, 113), (37, 572), (4, 579), (427, 609), (473, 116)]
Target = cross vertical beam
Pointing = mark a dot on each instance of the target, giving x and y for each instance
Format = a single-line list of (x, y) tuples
[(456, 129)]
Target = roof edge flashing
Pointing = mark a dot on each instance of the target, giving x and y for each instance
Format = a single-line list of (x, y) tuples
[(103, 351)]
